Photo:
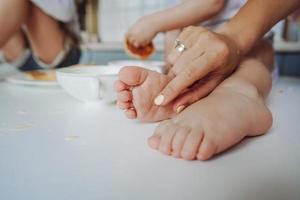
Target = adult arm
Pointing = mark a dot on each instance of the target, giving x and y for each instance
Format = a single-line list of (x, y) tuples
[(214, 56)]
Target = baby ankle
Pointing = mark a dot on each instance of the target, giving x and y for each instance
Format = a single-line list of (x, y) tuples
[(243, 87)]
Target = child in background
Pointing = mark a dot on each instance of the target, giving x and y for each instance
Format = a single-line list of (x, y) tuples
[(39, 34)]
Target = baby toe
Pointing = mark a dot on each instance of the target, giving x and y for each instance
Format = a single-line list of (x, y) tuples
[(178, 141), (167, 135), (131, 113), (191, 145), (133, 76), (206, 150), (124, 96), (154, 141), (124, 105), (120, 86)]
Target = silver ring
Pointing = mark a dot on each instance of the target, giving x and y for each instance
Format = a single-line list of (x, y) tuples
[(179, 46)]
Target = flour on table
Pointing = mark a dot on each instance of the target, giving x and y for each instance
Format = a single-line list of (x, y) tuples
[(17, 128), (71, 137)]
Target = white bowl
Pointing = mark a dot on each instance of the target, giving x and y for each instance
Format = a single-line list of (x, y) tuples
[(158, 66), (89, 83)]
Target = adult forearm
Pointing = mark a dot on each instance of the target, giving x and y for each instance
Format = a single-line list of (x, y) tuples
[(255, 19), (186, 14)]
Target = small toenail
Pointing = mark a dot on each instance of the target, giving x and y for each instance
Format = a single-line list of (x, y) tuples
[(127, 109), (180, 108), (159, 100)]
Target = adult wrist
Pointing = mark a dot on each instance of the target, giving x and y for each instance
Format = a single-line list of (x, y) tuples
[(230, 34)]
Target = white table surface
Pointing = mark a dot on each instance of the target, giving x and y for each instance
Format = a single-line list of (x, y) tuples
[(53, 147)]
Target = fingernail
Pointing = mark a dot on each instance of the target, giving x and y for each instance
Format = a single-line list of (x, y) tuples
[(159, 100), (180, 108)]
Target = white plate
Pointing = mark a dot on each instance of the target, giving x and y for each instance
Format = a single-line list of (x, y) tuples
[(22, 79)]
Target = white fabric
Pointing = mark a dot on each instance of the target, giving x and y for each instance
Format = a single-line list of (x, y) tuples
[(116, 16), (61, 10), (231, 8)]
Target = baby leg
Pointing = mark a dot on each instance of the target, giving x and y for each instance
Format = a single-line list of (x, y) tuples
[(234, 110)]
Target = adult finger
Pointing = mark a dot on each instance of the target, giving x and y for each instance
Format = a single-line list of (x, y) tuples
[(194, 94), (190, 54), (187, 38), (194, 71)]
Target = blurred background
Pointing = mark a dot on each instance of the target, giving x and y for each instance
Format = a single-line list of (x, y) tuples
[(104, 23)]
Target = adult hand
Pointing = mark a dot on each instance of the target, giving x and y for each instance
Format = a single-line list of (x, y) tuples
[(208, 59), (169, 40)]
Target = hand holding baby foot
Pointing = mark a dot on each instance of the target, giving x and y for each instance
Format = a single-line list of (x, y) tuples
[(201, 60), (142, 32)]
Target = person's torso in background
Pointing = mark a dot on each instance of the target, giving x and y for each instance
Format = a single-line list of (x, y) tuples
[(63, 11), (231, 8), (116, 16)]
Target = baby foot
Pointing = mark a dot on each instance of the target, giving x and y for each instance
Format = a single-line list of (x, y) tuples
[(137, 89), (213, 124)]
